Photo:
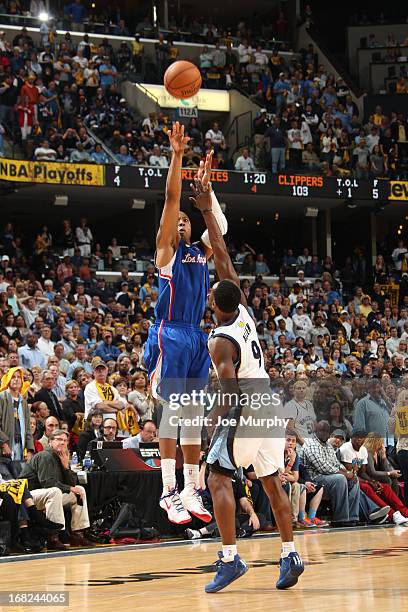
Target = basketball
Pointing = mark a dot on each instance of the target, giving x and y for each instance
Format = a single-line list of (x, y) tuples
[(182, 79)]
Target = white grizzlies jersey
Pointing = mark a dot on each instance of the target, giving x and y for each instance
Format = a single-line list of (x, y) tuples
[(257, 416), (241, 332)]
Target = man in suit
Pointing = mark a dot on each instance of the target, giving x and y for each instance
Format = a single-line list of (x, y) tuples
[(47, 395)]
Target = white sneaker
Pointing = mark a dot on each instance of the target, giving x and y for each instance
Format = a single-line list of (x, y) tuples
[(171, 503), (398, 519), (193, 502)]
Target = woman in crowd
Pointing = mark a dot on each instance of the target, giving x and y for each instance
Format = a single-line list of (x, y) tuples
[(140, 396), (38, 447), (76, 333), (207, 318), (72, 406), (382, 353), (380, 270), (93, 339), (338, 364), (9, 327), (245, 283), (35, 385), (378, 466), (270, 329), (328, 145), (383, 488), (337, 420), (378, 164), (390, 394), (83, 378), (194, 130), (92, 431)]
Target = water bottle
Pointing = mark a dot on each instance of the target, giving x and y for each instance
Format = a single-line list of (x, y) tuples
[(74, 462), (87, 462)]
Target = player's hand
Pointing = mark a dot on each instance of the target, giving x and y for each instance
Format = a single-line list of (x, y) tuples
[(201, 198), (254, 522), (177, 139), (204, 171), (310, 487)]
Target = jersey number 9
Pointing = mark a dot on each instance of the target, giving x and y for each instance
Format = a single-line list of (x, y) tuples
[(256, 351)]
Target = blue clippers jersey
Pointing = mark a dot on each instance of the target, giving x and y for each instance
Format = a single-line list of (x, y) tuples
[(183, 286)]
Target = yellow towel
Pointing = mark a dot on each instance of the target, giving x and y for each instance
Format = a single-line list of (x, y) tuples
[(5, 381)]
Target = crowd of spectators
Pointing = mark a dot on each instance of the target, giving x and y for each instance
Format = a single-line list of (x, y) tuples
[(61, 100), (310, 123), (334, 345)]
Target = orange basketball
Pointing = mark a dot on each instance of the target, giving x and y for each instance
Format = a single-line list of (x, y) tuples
[(182, 79)]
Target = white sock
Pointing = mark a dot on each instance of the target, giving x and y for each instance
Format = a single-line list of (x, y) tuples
[(190, 472), (204, 531), (228, 552), (287, 547), (168, 468)]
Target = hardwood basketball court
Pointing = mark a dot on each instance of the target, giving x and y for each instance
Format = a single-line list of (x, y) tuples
[(359, 568)]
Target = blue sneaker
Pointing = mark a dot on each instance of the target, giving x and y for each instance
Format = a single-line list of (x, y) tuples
[(291, 567), (226, 573)]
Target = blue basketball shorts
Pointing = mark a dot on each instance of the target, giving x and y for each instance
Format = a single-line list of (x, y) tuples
[(177, 358)]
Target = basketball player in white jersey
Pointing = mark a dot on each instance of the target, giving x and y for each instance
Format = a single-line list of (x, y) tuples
[(238, 360)]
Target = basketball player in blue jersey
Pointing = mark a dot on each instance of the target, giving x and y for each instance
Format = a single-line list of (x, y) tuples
[(238, 360), (176, 353)]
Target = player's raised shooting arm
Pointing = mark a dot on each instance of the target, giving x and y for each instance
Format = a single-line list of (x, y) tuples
[(203, 177), (222, 259), (167, 237)]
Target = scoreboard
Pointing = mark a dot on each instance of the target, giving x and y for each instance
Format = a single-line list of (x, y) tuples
[(254, 183)]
